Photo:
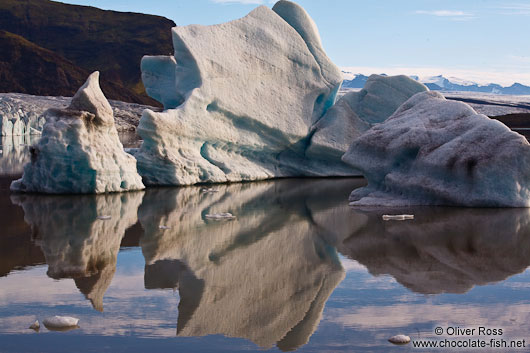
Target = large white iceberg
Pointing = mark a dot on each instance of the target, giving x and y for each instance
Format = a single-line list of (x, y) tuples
[(440, 152), (353, 114), (79, 151), (241, 99)]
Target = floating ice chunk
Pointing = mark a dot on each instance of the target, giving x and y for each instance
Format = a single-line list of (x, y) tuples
[(220, 216), (35, 326), (399, 339), (104, 217), (432, 151), (60, 322), (80, 151), (209, 190), (35, 131), (397, 217)]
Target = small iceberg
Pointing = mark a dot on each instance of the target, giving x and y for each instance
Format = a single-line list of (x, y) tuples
[(60, 323), (397, 217), (434, 151), (80, 151), (35, 326), (399, 339), (220, 216), (104, 217)]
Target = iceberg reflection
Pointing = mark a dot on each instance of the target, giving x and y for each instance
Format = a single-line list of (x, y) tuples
[(444, 249), (77, 243), (264, 276)]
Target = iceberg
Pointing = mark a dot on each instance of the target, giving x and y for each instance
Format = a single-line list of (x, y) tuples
[(356, 112), (79, 151), (432, 151), (241, 100)]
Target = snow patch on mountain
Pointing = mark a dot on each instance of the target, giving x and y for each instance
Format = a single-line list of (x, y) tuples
[(441, 83)]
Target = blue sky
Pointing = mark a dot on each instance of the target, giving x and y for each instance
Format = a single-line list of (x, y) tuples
[(480, 40)]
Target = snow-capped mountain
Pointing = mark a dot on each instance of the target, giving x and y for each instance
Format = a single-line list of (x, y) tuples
[(441, 83)]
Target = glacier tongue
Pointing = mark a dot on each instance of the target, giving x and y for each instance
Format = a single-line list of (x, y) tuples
[(440, 152), (241, 100), (16, 120), (79, 151)]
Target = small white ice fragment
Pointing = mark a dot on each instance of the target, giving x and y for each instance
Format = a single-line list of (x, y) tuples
[(60, 322), (399, 339), (220, 216), (35, 326), (35, 131), (208, 190), (104, 218), (164, 227), (397, 217)]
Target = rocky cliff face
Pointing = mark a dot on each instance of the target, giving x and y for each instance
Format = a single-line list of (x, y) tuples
[(78, 40)]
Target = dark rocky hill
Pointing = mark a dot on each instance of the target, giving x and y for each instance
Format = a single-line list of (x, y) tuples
[(89, 38), (27, 68)]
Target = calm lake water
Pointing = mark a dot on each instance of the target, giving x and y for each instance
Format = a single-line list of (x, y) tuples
[(296, 270)]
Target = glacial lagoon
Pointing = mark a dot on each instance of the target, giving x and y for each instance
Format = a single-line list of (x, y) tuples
[(296, 270)]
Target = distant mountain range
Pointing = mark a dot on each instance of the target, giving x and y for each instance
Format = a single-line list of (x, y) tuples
[(441, 83), (50, 48)]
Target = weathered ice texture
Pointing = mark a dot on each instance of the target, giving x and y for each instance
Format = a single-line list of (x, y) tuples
[(440, 152), (241, 100), (79, 151), (356, 112)]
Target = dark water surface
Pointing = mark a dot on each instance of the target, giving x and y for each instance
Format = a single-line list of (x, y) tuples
[(298, 269)]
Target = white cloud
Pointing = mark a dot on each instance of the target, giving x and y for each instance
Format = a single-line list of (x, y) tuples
[(442, 13), (509, 316), (453, 15)]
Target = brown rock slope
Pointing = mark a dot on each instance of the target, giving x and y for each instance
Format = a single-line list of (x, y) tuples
[(90, 38)]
